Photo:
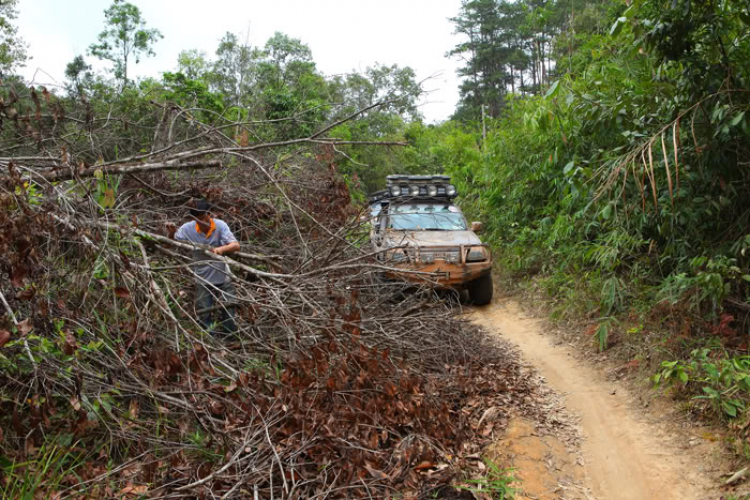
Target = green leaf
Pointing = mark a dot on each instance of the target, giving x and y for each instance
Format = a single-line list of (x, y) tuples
[(711, 370), (682, 376), (553, 90), (729, 408), (711, 392), (737, 119), (746, 277), (607, 212), (617, 27), (568, 167)]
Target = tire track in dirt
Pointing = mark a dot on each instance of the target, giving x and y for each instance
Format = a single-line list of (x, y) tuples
[(625, 456)]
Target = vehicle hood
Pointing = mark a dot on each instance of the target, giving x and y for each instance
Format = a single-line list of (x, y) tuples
[(431, 238)]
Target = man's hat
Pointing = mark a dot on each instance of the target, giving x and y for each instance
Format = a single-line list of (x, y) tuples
[(199, 207)]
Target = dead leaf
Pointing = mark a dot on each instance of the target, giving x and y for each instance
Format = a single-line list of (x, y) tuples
[(244, 138), (424, 465), (217, 408), (24, 327), (377, 474), (203, 470), (70, 345), (17, 275), (122, 292), (27, 294), (490, 414), (134, 408), (4, 337), (108, 201), (134, 490)]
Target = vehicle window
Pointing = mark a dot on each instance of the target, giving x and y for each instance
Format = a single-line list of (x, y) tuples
[(426, 217)]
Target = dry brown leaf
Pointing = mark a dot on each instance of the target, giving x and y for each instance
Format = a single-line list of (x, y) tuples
[(424, 465), (24, 327), (27, 294), (375, 473), (134, 409), (122, 292), (4, 337), (70, 345), (134, 490), (17, 275)]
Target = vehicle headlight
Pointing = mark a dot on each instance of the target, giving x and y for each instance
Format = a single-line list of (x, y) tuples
[(450, 190), (452, 257), (414, 190), (477, 254), (432, 190), (395, 190)]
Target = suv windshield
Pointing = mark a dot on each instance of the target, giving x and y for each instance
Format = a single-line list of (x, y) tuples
[(426, 217)]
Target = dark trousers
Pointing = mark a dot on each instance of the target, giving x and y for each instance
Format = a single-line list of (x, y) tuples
[(207, 296)]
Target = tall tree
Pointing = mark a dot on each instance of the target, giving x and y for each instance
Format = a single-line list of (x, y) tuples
[(12, 47), (235, 69), (492, 52), (193, 63), (78, 71), (124, 37)]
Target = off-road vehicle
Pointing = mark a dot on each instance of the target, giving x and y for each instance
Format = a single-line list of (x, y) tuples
[(417, 227)]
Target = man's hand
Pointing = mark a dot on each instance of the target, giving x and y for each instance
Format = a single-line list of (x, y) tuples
[(171, 229), (230, 248)]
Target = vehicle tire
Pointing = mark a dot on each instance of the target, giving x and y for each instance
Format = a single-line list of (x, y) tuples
[(480, 290)]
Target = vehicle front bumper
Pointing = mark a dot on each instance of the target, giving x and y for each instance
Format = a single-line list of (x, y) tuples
[(442, 274)]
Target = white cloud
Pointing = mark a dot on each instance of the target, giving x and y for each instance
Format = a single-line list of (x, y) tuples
[(344, 35)]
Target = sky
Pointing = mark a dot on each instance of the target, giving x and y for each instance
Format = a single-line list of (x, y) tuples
[(344, 35)]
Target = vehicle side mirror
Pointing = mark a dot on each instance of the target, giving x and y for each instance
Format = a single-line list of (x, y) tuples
[(476, 227)]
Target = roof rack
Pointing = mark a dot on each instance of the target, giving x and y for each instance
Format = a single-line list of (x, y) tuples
[(415, 186), (416, 179)]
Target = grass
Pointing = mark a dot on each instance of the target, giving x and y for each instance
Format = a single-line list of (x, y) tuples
[(496, 483), (52, 465)]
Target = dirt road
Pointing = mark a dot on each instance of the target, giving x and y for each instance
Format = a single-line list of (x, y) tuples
[(626, 454)]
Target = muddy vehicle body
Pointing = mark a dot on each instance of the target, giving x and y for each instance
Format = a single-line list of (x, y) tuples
[(417, 227)]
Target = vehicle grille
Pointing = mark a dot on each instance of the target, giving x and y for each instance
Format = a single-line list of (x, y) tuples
[(451, 256)]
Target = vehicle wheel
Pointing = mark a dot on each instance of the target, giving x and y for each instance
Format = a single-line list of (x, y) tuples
[(480, 290)]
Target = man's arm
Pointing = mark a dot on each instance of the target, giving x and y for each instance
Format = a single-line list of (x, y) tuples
[(228, 248), (230, 243)]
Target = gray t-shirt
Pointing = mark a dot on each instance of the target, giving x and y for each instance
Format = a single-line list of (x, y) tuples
[(214, 272)]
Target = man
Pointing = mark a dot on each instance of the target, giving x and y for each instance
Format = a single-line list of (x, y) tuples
[(212, 278)]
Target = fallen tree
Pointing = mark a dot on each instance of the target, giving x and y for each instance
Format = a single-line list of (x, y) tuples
[(337, 385)]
